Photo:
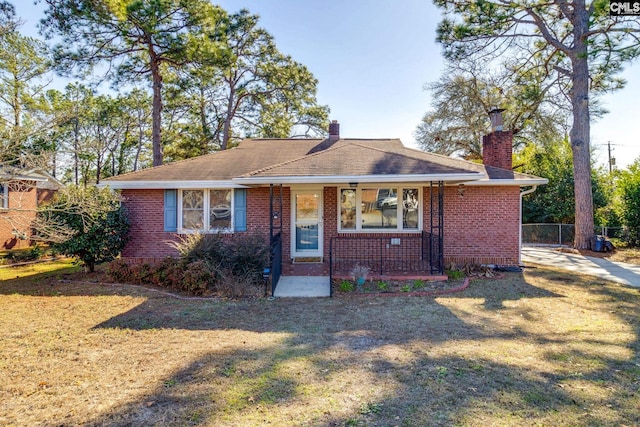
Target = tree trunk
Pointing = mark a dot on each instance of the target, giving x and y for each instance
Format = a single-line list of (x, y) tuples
[(89, 266), (206, 133), (156, 115), (226, 131), (76, 139), (98, 168), (580, 132)]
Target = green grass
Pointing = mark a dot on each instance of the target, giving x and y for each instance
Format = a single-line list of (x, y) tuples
[(62, 266)]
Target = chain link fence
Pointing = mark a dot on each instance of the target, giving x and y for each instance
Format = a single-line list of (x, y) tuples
[(560, 234)]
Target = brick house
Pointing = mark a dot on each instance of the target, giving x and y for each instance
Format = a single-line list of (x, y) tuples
[(330, 204), (21, 193)]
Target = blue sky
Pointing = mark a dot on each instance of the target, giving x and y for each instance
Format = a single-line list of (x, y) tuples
[(373, 58)]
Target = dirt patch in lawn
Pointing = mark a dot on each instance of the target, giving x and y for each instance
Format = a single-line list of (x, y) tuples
[(542, 347)]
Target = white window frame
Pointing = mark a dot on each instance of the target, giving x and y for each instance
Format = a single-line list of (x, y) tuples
[(4, 196), (207, 203), (399, 220)]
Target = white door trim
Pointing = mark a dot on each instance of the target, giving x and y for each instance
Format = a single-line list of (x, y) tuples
[(295, 252)]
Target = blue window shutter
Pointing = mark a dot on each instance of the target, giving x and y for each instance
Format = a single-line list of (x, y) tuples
[(240, 209), (170, 210)]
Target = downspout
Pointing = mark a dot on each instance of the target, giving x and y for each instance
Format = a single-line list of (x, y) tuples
[(522, 194)]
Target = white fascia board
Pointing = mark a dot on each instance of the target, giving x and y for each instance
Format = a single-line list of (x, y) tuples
[(164, 185), (460, 177), (508, 182), (46, 176), (23, 178)]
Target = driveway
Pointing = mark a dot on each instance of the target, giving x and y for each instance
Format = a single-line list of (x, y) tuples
[(620, 272)]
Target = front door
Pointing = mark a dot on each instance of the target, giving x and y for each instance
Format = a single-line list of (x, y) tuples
[(306, 233)]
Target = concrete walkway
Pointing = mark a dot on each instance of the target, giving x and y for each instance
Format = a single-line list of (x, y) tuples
[(620, 272), (303, 286)]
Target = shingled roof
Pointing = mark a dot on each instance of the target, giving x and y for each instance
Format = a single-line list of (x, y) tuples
[(276, 161)]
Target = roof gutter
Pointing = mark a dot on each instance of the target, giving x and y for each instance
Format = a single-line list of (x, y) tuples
[(522, 194), (346, 179), (525, 182), (163, 185)]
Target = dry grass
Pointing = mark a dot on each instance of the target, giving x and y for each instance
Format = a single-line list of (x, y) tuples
[(539, 348), (628, 255)]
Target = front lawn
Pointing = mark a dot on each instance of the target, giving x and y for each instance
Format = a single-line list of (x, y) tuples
[(539, 348)]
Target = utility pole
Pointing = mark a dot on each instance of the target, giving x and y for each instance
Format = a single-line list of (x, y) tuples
[(612, 160)]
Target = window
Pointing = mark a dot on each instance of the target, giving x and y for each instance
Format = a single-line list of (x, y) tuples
[(205, 210), (380, 209), (4, 196)]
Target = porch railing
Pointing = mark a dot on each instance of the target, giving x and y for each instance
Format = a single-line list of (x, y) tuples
[(276, 260), (403, 254)]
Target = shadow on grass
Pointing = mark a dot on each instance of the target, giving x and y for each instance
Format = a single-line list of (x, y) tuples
[(254, 387), (297, 315), (342, 344), (460, 359)]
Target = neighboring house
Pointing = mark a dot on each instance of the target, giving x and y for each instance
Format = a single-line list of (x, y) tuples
[(21, 193), (337, 203)]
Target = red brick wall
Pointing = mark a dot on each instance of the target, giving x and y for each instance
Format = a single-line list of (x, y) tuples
[(330, 217), (497, 149), (19, 215), (149, 242), (482, 227), (258, 214), (147, 238)]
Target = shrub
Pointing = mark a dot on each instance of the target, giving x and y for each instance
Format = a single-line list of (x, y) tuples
[(119, 271), (418, 284), (455, 274), (197, 277), (232, 266), (231, 285), (630, 191), (140, 273), (28, 254), (86, 223), (171, 273), (346, 286), (248, 255), (242, 256)]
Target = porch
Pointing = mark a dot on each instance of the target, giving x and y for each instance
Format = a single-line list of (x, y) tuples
[(384, 257)]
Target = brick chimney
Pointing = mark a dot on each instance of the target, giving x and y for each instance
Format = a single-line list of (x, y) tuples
[(497, 147), (334, 131)]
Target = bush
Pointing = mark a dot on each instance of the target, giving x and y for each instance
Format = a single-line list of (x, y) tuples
[(230, 265), (141, 273), (33, 253), (346, 286), (197, 277), (230, 285), (629, 184), (86, 223), (242, 257), (119, 271), (455, 274), (168, 273)]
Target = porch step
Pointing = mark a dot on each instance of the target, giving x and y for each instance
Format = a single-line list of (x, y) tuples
[(303, 286)]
